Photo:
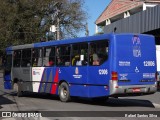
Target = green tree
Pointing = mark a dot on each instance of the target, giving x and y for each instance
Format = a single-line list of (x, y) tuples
[(21, 20)]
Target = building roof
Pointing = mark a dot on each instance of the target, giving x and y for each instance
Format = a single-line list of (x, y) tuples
[(117, 7), (146, 22)]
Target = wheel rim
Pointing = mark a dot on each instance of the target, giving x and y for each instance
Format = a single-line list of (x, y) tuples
[(64, 92)]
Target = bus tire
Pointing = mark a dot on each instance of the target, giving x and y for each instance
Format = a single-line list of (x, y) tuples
[(64, 93)]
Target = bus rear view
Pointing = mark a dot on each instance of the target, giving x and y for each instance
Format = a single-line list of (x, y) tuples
[(133, 66)]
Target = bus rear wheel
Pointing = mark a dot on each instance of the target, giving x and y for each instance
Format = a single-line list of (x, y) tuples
[(64, 93)]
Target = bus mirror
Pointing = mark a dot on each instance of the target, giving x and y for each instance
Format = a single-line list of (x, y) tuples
[(82, 57)]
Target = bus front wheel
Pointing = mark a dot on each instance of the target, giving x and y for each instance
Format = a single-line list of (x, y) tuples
[(64, 93)]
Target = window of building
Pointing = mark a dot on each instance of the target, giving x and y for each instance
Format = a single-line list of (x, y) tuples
[(26, 58), (63, 55), (98, 52), (37, 57), (80, 54), (49, 56), (17, 58)]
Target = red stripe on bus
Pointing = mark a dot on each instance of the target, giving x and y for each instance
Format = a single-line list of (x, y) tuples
[(54, 84)]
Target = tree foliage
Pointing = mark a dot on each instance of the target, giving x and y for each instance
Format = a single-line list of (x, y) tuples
[(21, 20)]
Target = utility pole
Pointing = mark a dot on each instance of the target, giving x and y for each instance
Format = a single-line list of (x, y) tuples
[(86, 29), (58, 20), (58, 28), (55, 27)]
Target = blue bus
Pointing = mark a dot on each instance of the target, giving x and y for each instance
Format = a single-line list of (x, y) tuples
[(108, 65)]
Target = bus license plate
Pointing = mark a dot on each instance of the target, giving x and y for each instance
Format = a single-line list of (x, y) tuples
[(136, 90)]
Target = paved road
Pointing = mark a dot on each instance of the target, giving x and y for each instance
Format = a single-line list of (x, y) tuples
[(43, 102)]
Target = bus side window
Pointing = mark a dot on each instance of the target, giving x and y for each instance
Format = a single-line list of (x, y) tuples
[(17, 58), (49, 56), (79, 54), (63, 55), (26, 58), (98, 53), (37, 57)]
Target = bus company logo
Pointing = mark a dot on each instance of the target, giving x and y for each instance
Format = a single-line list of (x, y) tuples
[(76, 71), (36, 73), (136, 46), (136, 40)]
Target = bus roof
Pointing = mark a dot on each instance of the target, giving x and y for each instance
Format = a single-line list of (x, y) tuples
[(59, 42), (74, 40), (65, 41)]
